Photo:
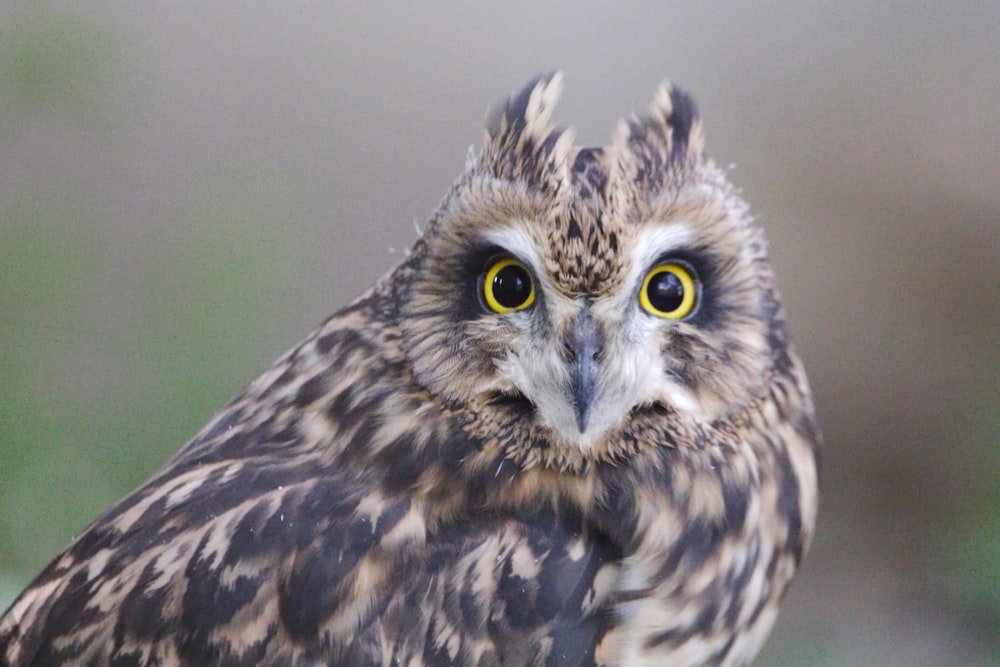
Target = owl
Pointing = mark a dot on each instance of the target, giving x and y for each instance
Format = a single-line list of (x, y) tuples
[(568, 429)]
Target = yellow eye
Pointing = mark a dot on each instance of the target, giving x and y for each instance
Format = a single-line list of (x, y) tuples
[(669, 291), (507, 286)]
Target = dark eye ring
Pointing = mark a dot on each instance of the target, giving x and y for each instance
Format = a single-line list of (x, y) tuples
[(669, 290), (507, 286)]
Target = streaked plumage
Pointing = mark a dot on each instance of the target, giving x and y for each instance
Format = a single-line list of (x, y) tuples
[(586, 479)]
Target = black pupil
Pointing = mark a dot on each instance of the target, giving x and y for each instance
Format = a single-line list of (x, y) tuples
[(665, 292), (511, 286)]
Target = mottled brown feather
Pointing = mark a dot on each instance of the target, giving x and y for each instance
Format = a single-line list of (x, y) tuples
[(403, 488)]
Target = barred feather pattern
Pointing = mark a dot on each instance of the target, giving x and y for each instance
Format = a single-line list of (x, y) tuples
[(387, 494)]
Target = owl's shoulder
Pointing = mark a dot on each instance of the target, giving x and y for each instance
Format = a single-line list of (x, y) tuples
[(238, 562)]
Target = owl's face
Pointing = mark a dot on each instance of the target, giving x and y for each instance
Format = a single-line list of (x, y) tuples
[(578, 289)]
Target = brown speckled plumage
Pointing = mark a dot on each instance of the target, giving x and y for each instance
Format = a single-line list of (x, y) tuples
[(423, 481)]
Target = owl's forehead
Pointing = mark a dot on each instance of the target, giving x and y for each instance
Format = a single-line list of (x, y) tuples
[(589, 242), (584, 239)]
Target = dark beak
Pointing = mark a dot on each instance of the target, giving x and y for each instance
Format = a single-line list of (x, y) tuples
[(583, 344)]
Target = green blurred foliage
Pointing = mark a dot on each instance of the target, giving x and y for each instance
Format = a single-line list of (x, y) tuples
[(51, 61), (60, 466), (58, 476), (47, 65), (971, 545)]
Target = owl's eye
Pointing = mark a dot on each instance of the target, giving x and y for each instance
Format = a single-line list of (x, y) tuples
[(507, 286), (669, 291)]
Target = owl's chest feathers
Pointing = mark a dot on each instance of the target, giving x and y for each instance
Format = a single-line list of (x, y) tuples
[(693, 530), (703, 525)]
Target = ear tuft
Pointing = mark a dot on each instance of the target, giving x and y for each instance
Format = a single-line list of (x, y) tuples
[(521, 143), (673, 118), (669, 137), (528, 110)]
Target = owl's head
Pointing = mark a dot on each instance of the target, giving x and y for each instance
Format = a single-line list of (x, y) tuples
[(574, 291)]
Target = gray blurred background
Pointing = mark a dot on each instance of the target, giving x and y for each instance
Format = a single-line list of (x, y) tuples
[(187, 188)]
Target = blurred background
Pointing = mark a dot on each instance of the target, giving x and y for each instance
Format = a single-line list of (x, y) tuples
[(187, 188)]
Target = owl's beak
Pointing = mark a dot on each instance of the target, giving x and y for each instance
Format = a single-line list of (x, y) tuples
[(583, 344)]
